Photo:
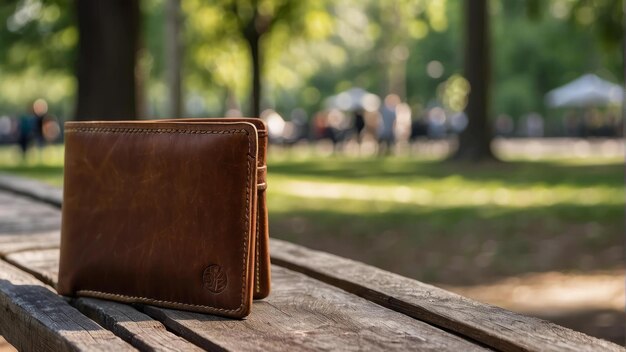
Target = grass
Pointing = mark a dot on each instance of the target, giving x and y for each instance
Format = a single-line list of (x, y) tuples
[(434, 221)]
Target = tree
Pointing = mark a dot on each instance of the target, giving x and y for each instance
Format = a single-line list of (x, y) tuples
[(404, 23), (107, 56), (38, 41), (255, 19), (173, 57), (475, 140)]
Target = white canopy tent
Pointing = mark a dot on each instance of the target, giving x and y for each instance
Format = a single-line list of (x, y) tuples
[(353, 99), (586, 91)]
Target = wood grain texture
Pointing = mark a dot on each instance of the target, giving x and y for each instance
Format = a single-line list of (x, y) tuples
[(490, 325), (132, 326), (28, 241), (123, 320), (303, 314), (21, 215), (31, 188), (42, 263), (36, 319)]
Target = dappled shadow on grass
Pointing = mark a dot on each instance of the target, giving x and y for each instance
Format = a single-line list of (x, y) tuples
[(512, 173), (49, 170), (464, 245)]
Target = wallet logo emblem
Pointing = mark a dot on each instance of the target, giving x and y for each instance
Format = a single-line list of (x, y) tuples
[(214, 278)]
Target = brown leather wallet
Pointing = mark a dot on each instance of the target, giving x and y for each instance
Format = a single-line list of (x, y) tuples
[(169, 213)]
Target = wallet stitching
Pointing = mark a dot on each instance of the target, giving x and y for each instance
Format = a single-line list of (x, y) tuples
[(151, 130), (257, 245), (247, 219)]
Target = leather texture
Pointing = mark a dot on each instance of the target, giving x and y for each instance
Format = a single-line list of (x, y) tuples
[(170, 213)]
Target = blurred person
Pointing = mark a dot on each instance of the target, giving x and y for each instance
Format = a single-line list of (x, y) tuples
[(323, 127), (320, 122), (51, 129), (40, 112), (46, 128), (336, 129), (419, 128), (402, 129), (26, 128), (437, 123), (386, 136), (359, 125), (419, 123)]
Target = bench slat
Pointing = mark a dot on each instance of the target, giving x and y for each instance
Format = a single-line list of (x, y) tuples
[(36, 319), (123, 320), (25, 241), (133, 326), (304, 314), (301, 313), (493, 326), (31, 188), (41, 263), (18, 216)]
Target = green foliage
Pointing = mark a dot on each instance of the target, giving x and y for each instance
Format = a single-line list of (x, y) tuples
[(38, 47), (533, 56), (314, 49)]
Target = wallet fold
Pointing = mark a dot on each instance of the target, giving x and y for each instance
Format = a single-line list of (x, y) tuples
[(170, 213)]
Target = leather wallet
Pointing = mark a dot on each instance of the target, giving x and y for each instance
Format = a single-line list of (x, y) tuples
[(170, 213)]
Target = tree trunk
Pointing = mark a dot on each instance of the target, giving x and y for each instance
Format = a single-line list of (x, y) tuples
[(475, 140), (107, 56), (253, 38), (397, 70), (173, 57)]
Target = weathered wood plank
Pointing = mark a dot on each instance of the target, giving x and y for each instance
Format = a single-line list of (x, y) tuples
[(310, 305), (123, 320), (31, 188), (28, 241), (22, 215), (42, 264), (132, 326), (36, 319), (303, 314), (493, 326)]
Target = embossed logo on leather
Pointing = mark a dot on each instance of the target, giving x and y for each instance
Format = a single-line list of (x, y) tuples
[(214, 278)]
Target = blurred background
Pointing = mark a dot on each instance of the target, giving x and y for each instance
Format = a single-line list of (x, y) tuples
[(475, 145)]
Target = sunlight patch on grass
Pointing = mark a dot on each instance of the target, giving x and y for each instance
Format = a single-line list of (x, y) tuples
[(447, 192), (11, 156)]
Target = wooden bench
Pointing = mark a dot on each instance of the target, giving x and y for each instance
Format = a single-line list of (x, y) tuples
[(319, 302)]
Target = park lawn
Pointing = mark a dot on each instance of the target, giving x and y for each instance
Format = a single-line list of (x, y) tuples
[(434, 221)]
